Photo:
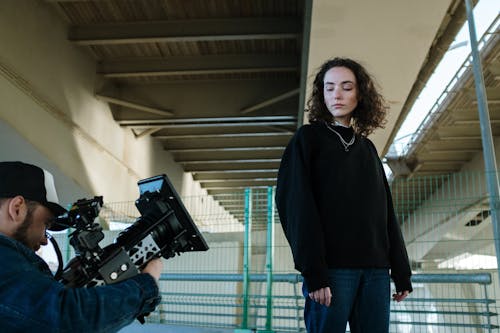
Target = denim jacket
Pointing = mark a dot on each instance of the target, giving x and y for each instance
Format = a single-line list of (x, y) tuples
[(32, 300)]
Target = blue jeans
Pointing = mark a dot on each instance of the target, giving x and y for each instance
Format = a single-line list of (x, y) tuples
[(359, 296)]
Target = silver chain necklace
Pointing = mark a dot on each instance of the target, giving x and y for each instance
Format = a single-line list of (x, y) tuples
[(344, 143)]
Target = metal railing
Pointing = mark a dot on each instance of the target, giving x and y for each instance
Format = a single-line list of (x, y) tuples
[(226, 310), (458, 313), (441, 218), (399, 149)]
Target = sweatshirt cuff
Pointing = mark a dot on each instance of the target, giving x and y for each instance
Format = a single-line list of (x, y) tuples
[(402, 284), (316, 281)]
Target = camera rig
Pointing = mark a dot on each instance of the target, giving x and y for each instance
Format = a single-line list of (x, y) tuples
[(164, 229)]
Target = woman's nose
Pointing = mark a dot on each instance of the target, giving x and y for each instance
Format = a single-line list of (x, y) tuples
[(337, 94)]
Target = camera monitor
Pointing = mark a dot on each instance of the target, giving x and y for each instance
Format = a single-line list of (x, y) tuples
[(183, 235), (164, 228)]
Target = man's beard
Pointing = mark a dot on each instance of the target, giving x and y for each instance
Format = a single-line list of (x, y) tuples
[(21, 234)]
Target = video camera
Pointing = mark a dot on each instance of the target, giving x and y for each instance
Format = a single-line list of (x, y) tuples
[(164, 229)]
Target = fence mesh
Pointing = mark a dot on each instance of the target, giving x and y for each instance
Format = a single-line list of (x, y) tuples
[(445, 220)]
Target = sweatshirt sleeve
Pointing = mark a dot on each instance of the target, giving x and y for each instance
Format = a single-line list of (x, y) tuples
[(400, 264), (298, 214)]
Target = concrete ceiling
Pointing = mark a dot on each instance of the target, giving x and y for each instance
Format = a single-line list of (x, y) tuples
[(222, 84), (392, 38), (216, 82)]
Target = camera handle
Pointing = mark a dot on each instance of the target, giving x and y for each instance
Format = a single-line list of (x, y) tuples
[(59, 271)]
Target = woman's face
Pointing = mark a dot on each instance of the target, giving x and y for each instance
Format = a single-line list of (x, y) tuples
[(341, 93)]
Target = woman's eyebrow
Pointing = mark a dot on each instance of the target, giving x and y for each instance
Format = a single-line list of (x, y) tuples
[(343, 82)]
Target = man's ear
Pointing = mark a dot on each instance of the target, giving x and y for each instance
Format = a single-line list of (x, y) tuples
[(17, 209)]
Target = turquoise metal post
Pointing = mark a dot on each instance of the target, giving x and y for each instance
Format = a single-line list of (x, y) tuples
[(269, 260), (246, 258), (488, 318), (68, 247), (486, 136)]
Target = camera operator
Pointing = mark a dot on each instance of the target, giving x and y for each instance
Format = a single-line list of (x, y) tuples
[(30, 297)]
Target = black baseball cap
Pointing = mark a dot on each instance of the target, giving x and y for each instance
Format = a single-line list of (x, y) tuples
[(33, 183)]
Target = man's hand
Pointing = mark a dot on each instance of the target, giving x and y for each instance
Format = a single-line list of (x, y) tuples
[(322, 296), (154, 268)]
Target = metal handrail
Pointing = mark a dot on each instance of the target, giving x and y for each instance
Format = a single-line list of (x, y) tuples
[(479, 278), (433, 112), (482, 279)]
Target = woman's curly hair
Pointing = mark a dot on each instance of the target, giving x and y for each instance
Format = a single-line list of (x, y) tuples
[(371, 110)]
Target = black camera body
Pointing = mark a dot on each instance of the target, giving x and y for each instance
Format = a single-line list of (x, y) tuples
[(164, 229)]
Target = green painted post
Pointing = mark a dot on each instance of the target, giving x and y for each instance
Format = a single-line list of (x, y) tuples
[(246, 259), (269, 260), (68, 246)]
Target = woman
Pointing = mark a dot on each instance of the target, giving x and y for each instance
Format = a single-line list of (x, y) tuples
[(336, 208)]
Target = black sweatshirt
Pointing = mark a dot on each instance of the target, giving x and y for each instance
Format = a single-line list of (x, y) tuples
[(336, 208)]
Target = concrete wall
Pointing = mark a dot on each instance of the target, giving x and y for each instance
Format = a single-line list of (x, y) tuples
[(47, 93), (13, 147)]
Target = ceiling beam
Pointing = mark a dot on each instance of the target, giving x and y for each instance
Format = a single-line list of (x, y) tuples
[(453, 151), (220, 125), (225, 149), (132, 105), (217, 120), (232, 191), (208, 122), (198, 65), (146, 132), (235, 174), (270, 101), (222, 136), (248, 179), (237, 171), (241, 161), (494, 69), (186, 31), (457, 137), (474, 121), (466, 109), (238, 183), (440, 162), (224, 165), (492, 93)]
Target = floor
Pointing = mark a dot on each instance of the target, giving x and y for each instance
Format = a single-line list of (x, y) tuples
[(157, 328)]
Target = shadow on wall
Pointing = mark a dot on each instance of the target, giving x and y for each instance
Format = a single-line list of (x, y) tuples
[(19, 149)]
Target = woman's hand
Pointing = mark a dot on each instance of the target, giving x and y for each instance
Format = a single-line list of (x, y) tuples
[(400, 295), (322, 296)]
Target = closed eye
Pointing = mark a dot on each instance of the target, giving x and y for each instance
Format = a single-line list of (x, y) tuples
[(347, 86)]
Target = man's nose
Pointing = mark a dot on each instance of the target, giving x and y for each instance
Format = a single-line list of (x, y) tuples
[(45, 238)]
